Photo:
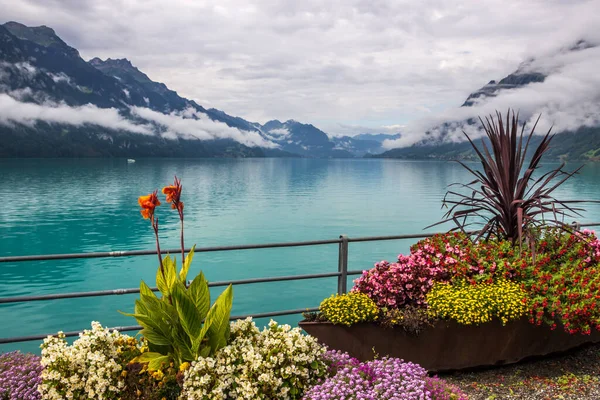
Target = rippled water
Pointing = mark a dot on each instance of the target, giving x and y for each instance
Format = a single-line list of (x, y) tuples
[(64, 206)]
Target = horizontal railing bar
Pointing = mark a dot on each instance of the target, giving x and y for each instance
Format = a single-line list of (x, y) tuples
[(394, 237), (355, 272), (98, 293), (274, 279), (107, 254), (18, 339), (422, 235), (590, 224)]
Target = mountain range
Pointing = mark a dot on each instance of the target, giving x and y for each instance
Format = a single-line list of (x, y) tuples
[(53, 103), (56, 104)]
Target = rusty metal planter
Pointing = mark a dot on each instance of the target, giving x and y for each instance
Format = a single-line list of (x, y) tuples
[(449, 345)]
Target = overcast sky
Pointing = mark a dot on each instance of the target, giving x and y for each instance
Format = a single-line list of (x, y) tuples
[(344, 66)]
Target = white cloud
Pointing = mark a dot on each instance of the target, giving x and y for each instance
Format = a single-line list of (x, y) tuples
[(20, 94), (192, 124), (189, 124), (14, 111), (24, 68), (60, 77), (277, 134)]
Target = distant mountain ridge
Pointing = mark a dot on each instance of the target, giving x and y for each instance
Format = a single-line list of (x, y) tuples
[(38, 68), (363, 144)]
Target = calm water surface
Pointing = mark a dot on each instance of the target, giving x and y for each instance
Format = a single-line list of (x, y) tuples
[(64, 206)]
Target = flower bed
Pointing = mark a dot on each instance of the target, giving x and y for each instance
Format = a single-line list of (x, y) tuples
[(452, 303), (277, 362)]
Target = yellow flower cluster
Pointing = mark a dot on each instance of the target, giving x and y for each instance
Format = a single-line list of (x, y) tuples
[(477, 304), (348, 309)]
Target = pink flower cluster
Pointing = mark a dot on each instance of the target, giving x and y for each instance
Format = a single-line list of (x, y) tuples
[(407, 281), (394, 285), (594, 243)]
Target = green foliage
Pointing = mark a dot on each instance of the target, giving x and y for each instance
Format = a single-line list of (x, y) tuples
[(348, 309), (181, 326)]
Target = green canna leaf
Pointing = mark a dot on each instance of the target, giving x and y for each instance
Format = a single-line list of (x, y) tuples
[(155, 337), (186, 309), (205, 352), (156, 364), (143, 320), (147, 357), (161, 281), (182, 344), (200, 294), (217, 331), (170, 272), (140, 308), (210, 317), (186, 265), (146, 291), (160, 312)]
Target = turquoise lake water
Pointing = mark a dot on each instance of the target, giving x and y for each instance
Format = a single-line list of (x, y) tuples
[(82, 205)]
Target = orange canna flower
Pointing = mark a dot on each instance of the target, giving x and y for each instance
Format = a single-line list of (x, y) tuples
[(148, 204), (146, 213), (173, 193)]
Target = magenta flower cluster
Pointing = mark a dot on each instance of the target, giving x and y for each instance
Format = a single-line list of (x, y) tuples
[(20, 375)]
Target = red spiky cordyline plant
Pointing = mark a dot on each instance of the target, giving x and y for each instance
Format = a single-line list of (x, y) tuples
[(505, 200)]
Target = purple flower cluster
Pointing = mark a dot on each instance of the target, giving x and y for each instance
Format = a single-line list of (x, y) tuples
[(337, 360), (19, 376), (387, 378)]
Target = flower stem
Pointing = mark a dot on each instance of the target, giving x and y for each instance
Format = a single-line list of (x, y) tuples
[(155, 227), (182, 245)]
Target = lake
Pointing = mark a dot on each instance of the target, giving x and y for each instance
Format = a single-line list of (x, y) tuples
[(84, 205)]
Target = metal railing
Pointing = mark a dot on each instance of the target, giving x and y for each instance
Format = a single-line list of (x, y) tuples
[(342, 274)]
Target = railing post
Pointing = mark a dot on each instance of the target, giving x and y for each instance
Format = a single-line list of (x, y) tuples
[(343, 265)]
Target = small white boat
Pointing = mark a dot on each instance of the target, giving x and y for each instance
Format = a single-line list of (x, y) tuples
[(130, 160)]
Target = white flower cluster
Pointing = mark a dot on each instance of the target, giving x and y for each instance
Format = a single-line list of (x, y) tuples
[(88, 369), (277, 363)]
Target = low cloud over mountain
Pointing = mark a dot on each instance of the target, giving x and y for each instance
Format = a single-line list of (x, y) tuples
[(562, 85)]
